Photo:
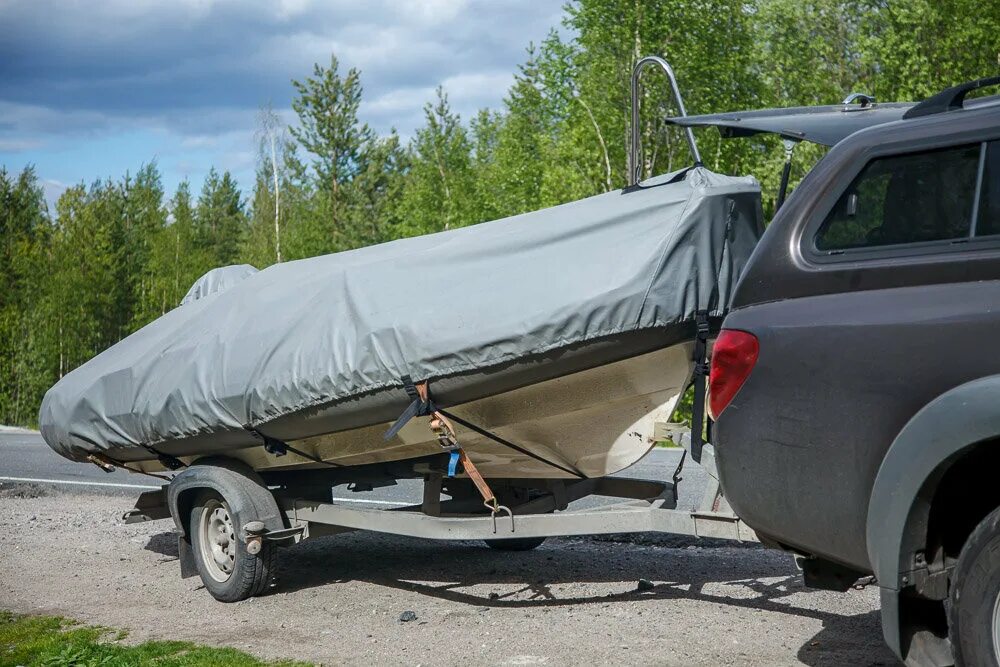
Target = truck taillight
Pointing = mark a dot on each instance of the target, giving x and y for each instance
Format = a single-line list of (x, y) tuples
[(733, 357)]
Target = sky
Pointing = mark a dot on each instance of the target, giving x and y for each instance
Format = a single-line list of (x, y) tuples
[(93, 90)]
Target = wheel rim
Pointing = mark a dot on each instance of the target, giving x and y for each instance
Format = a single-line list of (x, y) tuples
[(218, 539), (996, 629)]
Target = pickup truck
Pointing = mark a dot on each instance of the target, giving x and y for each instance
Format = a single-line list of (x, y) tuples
[(855, 384)]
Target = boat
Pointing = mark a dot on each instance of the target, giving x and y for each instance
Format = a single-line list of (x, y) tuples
[(544, 345), (568, 331)]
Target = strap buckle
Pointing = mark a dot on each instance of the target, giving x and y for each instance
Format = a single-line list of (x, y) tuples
[(101, 462), (445, 434), (701, 321)]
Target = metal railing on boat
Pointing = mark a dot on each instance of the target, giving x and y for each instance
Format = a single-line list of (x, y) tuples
[(635, 148)]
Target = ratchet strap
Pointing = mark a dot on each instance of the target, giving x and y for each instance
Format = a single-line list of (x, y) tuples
[(701, 369), (699, 423), (445, 432), (108, 464), (423, 405)]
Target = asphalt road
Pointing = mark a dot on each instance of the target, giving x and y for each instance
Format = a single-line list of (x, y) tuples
[(26, 459)]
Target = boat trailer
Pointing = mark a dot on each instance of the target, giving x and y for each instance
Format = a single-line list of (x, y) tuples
[(643, 506)]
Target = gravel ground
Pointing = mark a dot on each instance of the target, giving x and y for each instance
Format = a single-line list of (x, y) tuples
[(572, 601)]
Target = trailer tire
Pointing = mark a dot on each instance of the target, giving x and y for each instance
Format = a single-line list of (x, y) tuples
[(515, 543), (974, 609), (230, 573)]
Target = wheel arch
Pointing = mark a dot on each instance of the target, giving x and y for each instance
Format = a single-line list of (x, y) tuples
[(243, 488), (945, 431)]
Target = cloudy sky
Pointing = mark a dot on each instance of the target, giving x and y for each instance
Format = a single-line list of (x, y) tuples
[(92, 89)]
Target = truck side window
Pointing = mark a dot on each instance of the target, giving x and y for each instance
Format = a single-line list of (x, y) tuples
[(988, 222), (912, 198)]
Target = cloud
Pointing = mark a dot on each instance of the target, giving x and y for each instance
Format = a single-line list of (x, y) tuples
[(91, 90), (19, 145), (152, 62)]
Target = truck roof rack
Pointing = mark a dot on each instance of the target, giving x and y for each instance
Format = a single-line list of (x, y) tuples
[(950, 99)]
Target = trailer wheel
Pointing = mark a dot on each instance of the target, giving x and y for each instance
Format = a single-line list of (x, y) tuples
[(515, 543), (974, 614), (228, 570)]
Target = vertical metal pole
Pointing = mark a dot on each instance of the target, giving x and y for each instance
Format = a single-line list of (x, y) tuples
[(785, 173), (634, 163)]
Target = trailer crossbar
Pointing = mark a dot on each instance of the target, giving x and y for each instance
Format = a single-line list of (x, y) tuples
[(537, 518)]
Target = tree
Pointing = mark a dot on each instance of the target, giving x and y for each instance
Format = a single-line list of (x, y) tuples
[(272, 146), (327, 106), (354, 170), (24, 235), (145, 220), (914, 49), (522, 140), (439, 186), (220, 219)]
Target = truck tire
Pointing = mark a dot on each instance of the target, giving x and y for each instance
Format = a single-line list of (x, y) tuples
[(515, 543), (974, 610), (228, 570)]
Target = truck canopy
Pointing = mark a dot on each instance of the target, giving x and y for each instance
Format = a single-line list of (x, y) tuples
[(826, 124)]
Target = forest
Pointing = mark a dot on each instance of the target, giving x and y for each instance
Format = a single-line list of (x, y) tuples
[(117, 253)]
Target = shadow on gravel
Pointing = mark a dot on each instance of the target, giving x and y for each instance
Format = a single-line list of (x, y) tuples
[(553, 575), (471, 574), (23, 490), (164, 544), (847, 640), (463, 572)]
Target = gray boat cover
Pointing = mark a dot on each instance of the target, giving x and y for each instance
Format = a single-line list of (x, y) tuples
[(218, 280), (327, 335)]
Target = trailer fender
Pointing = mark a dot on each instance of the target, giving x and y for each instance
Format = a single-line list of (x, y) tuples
[(904, 486), (245, 490)]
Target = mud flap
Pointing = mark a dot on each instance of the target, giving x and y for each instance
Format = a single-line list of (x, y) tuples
[(186, 556)]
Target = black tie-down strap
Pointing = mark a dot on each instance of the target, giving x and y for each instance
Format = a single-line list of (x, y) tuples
[(425, 407), (418, 407), (701, 369), (166, 460), (280, 448)]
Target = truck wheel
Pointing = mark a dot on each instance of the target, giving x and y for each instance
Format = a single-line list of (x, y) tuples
[(974, 614), (228, 570), (515, 543)]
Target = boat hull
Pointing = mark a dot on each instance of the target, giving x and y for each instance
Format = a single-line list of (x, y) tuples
[(598, 421)]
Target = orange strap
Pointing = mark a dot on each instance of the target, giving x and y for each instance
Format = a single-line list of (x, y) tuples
[(446, 434), (470, 469)]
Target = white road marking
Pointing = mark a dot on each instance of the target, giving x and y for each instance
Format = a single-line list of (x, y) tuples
[(146, 486)]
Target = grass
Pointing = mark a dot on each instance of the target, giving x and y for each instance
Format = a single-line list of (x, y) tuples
[(47, 641)]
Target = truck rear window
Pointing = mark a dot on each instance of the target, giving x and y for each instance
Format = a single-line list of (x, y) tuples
[(988, 220), (913, 198)]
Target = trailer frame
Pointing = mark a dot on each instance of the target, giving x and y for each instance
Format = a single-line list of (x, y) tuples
[(643, 506)]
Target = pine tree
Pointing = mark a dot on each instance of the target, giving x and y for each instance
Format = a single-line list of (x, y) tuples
[(24, 236), (354, 172), (219, 217), (439, 186)]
